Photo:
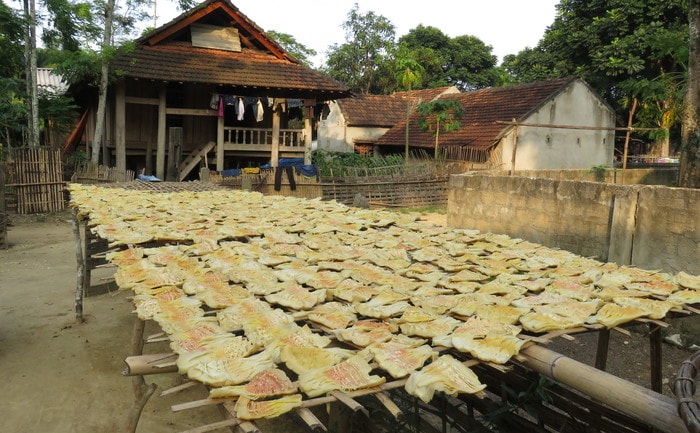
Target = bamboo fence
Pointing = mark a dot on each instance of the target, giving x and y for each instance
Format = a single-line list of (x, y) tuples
[(417, 184), (93, 173), (37, 180)]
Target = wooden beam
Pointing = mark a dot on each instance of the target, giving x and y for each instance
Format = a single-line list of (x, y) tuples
[(191, 112), (142, 101), (590, 128)]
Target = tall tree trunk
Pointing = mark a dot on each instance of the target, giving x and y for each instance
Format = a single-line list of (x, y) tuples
[(32, 90), (689, 172), (97, 141)]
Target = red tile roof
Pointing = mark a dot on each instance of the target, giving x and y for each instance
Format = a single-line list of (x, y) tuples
[(261, 68), (482, 108), (383, 110)]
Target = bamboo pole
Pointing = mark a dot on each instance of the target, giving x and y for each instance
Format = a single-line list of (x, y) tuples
[(651, 408)]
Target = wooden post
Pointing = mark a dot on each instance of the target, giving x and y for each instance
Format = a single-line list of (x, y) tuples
[(515, 147), (174, 146), (120, 127), (219, 144), (308, 131), (160, 143), (653, 409), (655, 352), (601, 355), (79, 292), (142, 392), (275, 150)]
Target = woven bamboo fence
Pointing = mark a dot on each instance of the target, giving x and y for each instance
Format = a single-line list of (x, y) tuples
[(407, 185), (94, 173), (37, 179)]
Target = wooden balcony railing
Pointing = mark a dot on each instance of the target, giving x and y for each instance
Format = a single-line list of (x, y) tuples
[(263, 136)]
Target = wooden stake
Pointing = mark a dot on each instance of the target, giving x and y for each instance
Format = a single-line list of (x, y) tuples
[(80, 268)]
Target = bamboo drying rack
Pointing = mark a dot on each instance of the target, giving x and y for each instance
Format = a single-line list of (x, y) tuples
[(620, 398)]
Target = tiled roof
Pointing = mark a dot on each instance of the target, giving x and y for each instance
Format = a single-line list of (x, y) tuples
[(261, 68), (383, 110), (482, 108), (246, 70)]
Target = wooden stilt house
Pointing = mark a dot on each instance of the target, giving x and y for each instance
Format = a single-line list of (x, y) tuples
[(210, 86)]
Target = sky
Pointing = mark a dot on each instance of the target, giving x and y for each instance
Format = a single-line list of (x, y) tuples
[(508, 26)]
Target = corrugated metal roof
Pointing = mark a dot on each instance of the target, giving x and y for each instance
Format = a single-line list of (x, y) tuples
[(50, 83)]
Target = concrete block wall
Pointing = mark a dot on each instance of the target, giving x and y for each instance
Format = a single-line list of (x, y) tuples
[(652, 227), (646, 176)]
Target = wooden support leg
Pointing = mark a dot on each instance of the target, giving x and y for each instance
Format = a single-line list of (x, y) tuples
[(655, 355), (142, 392), (79, 292), (340, 418), (601, 356)]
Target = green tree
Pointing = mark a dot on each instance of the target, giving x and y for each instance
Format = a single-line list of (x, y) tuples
[(439, 113), (626, 49), (13, 110), (408, 74), (369, 46), (464, 61), (528, 66), (300, 51)]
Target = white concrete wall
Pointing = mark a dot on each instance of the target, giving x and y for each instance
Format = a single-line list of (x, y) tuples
[(541, 148), (332, 132), (335, 135)]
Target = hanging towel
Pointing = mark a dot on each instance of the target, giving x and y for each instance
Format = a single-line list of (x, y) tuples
[(241, 109), (259, 114), (221, 107)]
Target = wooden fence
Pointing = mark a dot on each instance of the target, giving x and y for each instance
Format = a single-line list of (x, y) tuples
[(36, 178)]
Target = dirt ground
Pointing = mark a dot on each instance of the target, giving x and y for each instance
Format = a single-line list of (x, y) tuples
[(60, 376)]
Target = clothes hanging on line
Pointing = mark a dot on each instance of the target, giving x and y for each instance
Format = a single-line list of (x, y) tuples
[(259, 113), (240, 109)]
